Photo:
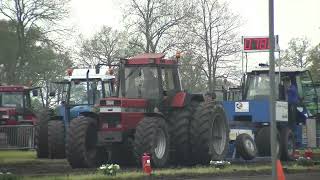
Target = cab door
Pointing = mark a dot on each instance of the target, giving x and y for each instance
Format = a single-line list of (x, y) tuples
[(308, 93)]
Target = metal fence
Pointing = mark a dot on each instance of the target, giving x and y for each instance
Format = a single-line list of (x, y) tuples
[(17, 136)]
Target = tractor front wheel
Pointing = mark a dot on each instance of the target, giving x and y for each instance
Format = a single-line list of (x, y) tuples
[(246, 147), (56, 139), (152, 137), (81, 148), (41, 134)]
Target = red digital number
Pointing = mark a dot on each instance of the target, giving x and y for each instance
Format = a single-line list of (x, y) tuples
[(256, 43), (263, 43), (247, 44)]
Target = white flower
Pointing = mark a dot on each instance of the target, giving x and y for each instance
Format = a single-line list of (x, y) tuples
[(117, 167), (102, 167)]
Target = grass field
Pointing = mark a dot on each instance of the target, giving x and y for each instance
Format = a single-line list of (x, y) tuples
[(17, 156), (28, 158)]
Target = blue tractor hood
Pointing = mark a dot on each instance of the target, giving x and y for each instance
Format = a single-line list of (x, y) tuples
[(75, 111)]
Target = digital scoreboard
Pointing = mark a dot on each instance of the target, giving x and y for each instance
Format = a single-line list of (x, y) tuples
[(258, 43)]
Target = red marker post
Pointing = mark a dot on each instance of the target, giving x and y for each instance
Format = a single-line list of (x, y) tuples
[(146, 163)]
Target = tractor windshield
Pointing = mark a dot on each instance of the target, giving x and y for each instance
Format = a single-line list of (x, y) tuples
[(12, 99), (141, 82), (79, 94), (258, 86)]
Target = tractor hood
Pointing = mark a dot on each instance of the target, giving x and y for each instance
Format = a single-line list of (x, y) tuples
[(75, 111)]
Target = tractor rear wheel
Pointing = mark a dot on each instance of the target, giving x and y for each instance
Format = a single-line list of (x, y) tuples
[(209, 133), (288, 144), (246, 147), (152, 137), (81, 148), (41, 135), (263, 142), (180, 134), (56, 139)]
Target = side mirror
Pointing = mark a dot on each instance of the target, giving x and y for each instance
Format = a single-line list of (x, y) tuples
[(35, 93), (97, 69), (52, 94)]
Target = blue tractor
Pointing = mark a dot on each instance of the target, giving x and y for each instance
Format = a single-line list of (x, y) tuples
[(249, 119), (81, 91)]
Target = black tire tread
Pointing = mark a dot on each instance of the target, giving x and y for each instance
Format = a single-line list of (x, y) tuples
[(241, 148), (56, 139), (144, 138), (180, 121), (200, 132), (41, 134), (284, 138), (76, 147)]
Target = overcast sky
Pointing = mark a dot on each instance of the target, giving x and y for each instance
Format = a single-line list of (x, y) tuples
[(293, 18)]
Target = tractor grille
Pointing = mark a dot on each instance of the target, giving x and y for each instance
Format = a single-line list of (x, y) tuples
[(112, 119)]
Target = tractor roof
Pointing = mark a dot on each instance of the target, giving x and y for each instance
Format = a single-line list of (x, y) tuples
[(82, 74), (282, 69), (150, 58), (14, 88)]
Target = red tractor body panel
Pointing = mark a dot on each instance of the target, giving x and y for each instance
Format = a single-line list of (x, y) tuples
[(9, 115), (13, 88), (179, 100), (150, 58), (121, 114)]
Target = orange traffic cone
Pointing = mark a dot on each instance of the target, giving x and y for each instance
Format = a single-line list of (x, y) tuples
[(280, 172)]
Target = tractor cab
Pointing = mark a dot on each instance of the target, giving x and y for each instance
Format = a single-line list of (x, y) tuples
[(81, 90), (16, 105), (256, 87), (151, 78)]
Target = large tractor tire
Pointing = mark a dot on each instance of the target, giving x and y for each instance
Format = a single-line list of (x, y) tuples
[(41, 135), (209, 133), (263, 142), (56, 139), (152, 137), (287, 144), (246, 147), (81, 148), (180, 135)]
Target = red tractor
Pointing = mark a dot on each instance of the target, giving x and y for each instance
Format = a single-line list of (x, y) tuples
[(17, 118), (150, 113)]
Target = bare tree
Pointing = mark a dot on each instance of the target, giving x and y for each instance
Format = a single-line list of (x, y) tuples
[(214, 34), (106, 46), (29, 15), (153, 23), (296, 54)]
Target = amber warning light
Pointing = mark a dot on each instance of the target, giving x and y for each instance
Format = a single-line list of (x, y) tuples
[(254, 44)]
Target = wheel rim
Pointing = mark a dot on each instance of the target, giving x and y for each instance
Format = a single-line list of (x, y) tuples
[(160, 144), (219, 135), (249, 145)]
